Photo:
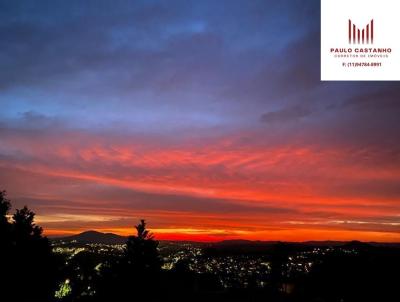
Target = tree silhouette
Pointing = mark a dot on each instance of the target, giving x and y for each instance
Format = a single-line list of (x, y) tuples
[(25, 229), (137, 274), (5, 242), (141, 250), (5, 226), (27, 261), (4, 207)]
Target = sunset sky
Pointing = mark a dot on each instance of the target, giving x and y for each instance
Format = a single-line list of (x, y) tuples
[(206, 118)]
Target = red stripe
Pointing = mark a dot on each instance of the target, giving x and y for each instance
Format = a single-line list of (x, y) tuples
[(372, 31), (349, 31)]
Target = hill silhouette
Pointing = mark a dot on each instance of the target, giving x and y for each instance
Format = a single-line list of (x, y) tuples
[(95, 237), (92, 236)]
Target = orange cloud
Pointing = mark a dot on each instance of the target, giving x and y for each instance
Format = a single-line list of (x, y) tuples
[(264, 189)]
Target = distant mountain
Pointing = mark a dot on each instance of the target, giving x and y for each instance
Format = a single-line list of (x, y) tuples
[(268, 243), (95, 237), (243, 242), (325, 243), (110, 238)]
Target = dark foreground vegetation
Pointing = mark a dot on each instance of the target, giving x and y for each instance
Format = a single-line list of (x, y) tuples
[(31, 271)]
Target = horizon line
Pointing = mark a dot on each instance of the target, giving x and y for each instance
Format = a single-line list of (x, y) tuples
[(55, 237)]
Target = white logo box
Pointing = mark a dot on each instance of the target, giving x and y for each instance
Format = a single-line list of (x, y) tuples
[(342, 22)]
